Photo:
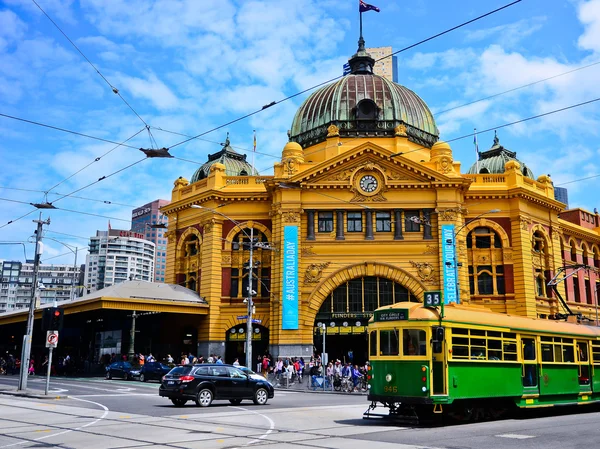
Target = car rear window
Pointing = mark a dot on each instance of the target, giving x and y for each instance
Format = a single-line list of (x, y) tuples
[(180, 371)]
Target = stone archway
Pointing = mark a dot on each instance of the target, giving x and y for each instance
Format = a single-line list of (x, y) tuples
[(383, 270)]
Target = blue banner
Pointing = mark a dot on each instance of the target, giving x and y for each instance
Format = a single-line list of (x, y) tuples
[(449, 264), (289, 314)]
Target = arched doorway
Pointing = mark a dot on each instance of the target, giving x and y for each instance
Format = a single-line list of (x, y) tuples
[(346, 311), (235, 343)]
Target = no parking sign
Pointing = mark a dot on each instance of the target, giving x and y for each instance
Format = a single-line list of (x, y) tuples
[(51, 339)]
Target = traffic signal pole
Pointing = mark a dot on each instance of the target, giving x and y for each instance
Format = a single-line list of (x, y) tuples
[(26, 350)]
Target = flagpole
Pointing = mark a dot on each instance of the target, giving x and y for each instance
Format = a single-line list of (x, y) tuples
[(253, 151), (360, 14), (476, 150)]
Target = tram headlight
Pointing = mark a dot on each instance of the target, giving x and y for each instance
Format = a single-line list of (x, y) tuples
[(388, 377), (424, 389)]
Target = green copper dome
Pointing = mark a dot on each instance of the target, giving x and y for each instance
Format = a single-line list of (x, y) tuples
[(363, 104), (235, 163), (493, 160)]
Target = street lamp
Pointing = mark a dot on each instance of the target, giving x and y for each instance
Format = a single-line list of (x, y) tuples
[(449, 256), (249, 301)]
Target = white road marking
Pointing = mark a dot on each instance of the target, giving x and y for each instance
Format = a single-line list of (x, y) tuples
[(266, 434), (515, 436), (65, 431)]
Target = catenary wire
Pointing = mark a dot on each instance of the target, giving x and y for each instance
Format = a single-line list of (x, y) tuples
[(66, 130), (67, 235), (72, 196), (19, 218), (69, 210), (341, 76), (93, 162), (113, 88)]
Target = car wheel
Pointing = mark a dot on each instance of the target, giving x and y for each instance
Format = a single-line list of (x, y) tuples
[(261, 396), (108, 375), (204, 397), (235, 401), (178, 402), (142, 378)]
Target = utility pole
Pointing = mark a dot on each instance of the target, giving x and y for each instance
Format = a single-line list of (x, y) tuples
[(131, 353), (27, 338), (250, 302), (75, 278)]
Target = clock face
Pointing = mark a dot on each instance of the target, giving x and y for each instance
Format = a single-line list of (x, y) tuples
[(368, 183)]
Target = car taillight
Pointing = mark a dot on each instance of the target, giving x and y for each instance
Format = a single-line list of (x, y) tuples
[(164, 378), (186, 378)]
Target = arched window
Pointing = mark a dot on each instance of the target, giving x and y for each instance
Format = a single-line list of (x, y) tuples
[(240, 269), (541, 263), (364, 295), (189, 262), (486, 269)]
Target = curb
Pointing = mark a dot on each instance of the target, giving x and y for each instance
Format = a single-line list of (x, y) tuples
[(31, 394)]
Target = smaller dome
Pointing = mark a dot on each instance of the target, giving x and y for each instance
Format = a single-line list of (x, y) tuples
[(492, 161), (235, 163)]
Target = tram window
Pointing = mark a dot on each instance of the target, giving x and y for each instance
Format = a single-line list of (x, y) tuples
[(414, 342), (373, 343), (388, 342), (478, 344), (528, 349), (596, 352), (582, 351), (568, 354), (547, 354), (460, 331), (510, 351)]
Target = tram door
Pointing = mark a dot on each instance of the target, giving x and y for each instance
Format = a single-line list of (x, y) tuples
[(583, 365), (439, 363), (530, 367)]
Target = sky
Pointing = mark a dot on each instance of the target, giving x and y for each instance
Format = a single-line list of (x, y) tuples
[(185, 67)]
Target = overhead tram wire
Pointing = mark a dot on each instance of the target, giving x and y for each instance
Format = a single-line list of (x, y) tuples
[(113, 88), (72, 196), (19, 218), (66, 130), (273, 103), (94, 161)]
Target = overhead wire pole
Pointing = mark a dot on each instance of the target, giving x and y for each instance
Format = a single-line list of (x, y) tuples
[(26, 349), (250, 302)]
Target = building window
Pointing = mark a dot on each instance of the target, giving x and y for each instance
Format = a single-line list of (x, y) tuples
[(383, 222), (354, 222), (485, 254), (412, 220), (240, 270), (325, 223)]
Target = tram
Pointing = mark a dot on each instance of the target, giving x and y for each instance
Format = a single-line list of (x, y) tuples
[(470, 363)]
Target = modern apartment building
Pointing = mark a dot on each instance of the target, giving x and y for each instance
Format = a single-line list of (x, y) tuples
[(116, 256), (56, 283), (386, 65), (147, 220)]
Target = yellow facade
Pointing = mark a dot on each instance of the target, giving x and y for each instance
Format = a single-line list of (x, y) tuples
[(369, 186)]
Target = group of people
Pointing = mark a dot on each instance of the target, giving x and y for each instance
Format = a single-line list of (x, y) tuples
[(11, 365)]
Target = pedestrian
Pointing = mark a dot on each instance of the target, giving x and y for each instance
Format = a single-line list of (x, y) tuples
[(31, 368), (150, 358), (219, 361), (142, 360), (169, 358), (236, 362)]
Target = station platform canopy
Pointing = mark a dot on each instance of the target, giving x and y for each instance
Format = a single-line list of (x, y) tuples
[(136, 296)]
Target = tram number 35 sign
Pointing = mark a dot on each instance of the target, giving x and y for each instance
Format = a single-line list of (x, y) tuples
[(432, 299), (51, 339)]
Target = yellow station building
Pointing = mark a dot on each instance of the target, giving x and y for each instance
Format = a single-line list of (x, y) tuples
[(367, 207)]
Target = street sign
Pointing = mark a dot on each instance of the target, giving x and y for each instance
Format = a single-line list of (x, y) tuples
[(242, 317), (432, 299), (51, 339), (256, 321)]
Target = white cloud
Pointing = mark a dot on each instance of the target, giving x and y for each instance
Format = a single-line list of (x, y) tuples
[(508, 34), (151, 88), (589, 15)]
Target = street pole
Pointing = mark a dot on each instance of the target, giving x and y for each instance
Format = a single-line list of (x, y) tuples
[(131, 353), (250, 302), (26, 350), (49, 369), (75, 278), (324, 357)]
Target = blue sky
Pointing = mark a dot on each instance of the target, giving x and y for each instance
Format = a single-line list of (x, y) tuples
[(188, 66)]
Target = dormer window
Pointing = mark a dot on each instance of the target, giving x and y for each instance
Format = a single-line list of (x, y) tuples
[(367, 110)]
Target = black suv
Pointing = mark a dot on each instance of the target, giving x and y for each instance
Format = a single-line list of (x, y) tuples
[(205, 382), (153, 370)]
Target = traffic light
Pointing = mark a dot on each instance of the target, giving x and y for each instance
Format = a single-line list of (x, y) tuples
[(52, 319)]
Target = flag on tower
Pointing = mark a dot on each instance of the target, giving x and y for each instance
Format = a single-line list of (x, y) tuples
[(254, 147), (364, 7)]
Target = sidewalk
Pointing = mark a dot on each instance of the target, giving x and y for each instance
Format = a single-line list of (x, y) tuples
[(304, 387), (29, 393)]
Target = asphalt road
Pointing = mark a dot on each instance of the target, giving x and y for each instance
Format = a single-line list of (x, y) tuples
[(97, 413)]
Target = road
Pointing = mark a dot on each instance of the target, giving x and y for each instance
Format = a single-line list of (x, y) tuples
[(98, 413)]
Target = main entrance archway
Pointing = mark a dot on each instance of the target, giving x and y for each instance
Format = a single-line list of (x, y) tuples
[(236, 343), (346, 309)]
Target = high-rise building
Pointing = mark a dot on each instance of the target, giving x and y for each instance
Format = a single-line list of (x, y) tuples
[(562, 195), (147, 220), (116, 256), (386, 65), (56, 283)]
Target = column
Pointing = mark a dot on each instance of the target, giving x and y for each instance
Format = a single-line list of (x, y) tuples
[(310, 225), (339, 225), (398, 224), (369, 225)]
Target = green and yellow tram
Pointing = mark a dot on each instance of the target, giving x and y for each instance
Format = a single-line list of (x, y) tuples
[(472, 363)]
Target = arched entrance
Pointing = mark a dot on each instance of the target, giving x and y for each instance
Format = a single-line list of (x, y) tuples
[(235, 343), (346, 311)]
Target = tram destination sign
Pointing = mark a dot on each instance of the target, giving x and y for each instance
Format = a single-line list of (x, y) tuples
[(391, 315)]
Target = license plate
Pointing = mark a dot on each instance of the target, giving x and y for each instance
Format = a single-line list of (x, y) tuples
[(171, 382)]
